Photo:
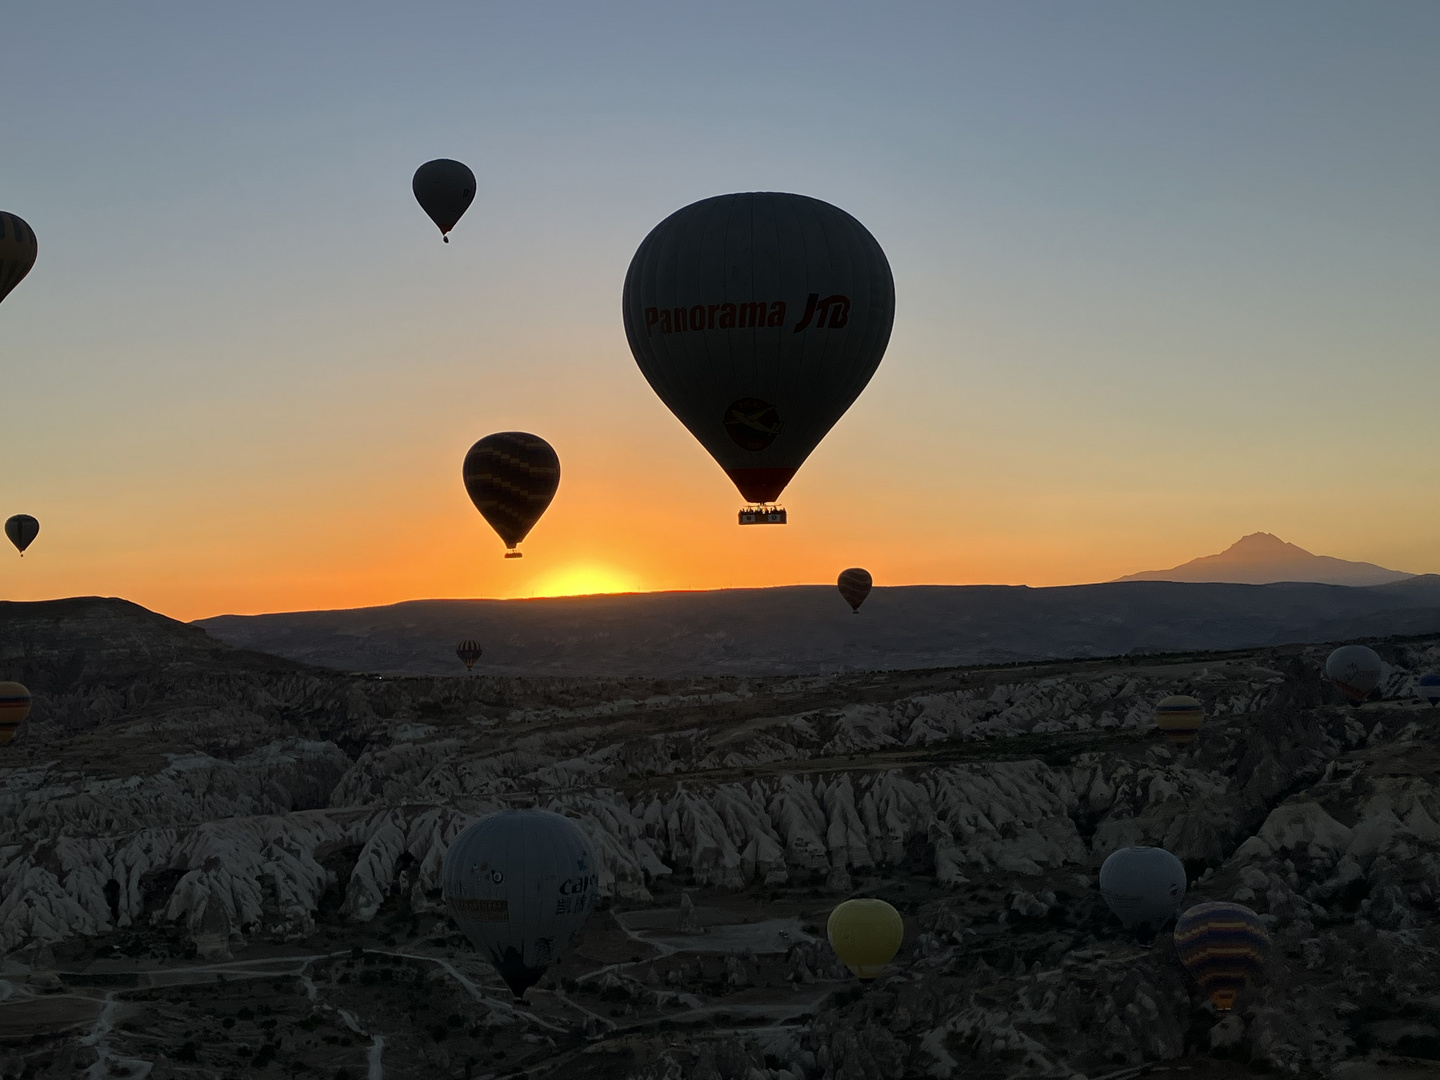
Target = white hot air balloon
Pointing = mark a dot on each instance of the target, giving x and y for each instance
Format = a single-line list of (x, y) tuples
[(1143, 886), (520, 884), (1355, 671)]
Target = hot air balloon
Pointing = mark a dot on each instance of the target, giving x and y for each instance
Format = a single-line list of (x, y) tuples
[(1355, 671), (468, 652), (1143, 886), (14, 708), (1223, 946), (758, 318), (1427, 688), (1179, 716), (22, 530), (18, 249), (444, 189), (520, 884), (865, 934), (854, 585), (511, 478)]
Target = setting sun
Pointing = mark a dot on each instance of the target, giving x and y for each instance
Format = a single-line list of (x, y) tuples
[(584, 580)]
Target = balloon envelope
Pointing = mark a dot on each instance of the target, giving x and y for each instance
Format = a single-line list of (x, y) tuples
[(1179, 716), (1355, 670), (14, 708), (444, 189), (18, 249), (1427, 688), (468, 652), (1143, 886), (865, 934), (520, 884), (758, 318), (854, 585), (22, 530), (1223, 946), (511, 477)]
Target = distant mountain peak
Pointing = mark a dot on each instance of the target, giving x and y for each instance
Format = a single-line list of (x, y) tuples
[(1262, 558)]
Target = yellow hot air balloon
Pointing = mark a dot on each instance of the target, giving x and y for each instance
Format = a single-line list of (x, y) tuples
[(866, 935), (14, 708)]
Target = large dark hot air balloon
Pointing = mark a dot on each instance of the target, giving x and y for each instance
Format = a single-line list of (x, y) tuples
[(520, 884), (1355, 671), (18, 249), (758, 318), (14, 708), (444, 189), (854, 586), (1223, 946), (511, 477), (1142, 885), (468, 652), (22, 530), (865, 934)]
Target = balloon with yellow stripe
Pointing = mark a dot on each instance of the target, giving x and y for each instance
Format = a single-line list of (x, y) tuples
[(1223, 946), (1179, 716), (14, 708), (865, 934)]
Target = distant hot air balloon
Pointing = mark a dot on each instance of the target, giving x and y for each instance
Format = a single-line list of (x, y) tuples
[(22, 530), (1143, 886), (520, 884), (1179, 716), (468, 652), (444, 189), (1427, 688), (758, 318), (511, 478), (14, 708), (854, 586), (1355, 671), (1223, 946), (18, 249), (865, 934)]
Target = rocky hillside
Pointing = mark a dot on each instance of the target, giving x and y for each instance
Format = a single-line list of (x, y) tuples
[(213, 863), (809, 629)]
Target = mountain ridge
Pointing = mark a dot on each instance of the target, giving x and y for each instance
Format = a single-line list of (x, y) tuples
[(1262, 558)]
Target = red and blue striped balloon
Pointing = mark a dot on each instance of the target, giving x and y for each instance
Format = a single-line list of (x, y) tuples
[(1223, 946)]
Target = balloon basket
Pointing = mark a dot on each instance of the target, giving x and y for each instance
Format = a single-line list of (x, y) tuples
[(763, 515), (514, 554)]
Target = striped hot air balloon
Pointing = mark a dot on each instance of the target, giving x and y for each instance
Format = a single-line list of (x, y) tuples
[(22, 530), (14, 708), (1179, 716), (468, 652), (758, 318), (18, 249), (854, 585), (1427, 688), (1223, 946), (1355, 671), (511, 477)]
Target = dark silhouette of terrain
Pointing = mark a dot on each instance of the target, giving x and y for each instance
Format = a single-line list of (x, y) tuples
[(1262, 559), (804, 629)]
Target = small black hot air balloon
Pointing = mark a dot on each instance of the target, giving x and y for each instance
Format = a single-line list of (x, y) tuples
[(511, 477), (444, 189), (18, 249), (854, 586), (468, 652), (22, 530)]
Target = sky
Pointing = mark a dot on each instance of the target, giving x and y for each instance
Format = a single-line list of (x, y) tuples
[(1166, 274)]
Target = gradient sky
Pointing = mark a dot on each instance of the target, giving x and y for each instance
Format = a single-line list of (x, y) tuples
[(1167, 273)]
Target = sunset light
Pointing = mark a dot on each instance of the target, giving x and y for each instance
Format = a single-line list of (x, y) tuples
[(585, 580)]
